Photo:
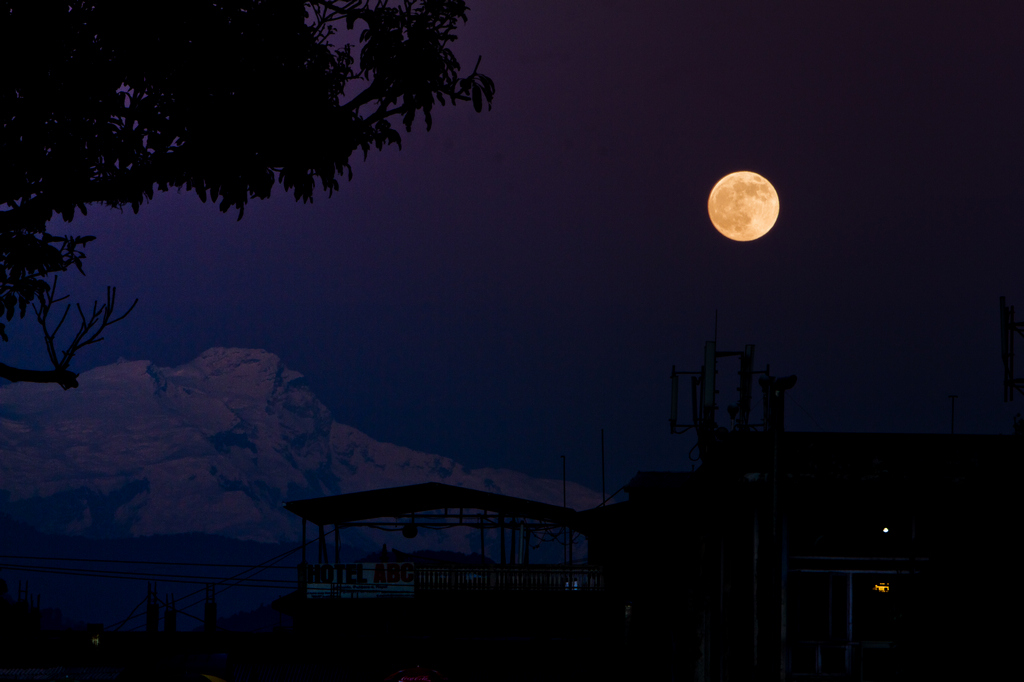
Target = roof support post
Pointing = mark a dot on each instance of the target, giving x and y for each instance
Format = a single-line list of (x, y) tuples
[(570, 553), (501, 525), (512, 543)]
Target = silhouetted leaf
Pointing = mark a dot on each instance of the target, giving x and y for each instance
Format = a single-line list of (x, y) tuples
[(140, 121)]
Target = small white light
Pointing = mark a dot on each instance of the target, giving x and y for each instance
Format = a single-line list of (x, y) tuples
[(885, 530)]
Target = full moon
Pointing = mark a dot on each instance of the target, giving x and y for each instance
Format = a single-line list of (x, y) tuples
[(743, 206)]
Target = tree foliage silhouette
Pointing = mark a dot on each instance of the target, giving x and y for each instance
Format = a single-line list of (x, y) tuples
[(108, 101)]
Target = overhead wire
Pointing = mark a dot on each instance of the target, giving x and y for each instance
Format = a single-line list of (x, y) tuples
[(128, 561), (119, 623), (131, 575), (239, 579), (237, 576), (607, 499), (804, 410)]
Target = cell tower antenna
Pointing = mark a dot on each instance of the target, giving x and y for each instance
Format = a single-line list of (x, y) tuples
[(1008, 327), (704, 392)]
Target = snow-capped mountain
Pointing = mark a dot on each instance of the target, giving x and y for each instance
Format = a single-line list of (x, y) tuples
[(215, 445)]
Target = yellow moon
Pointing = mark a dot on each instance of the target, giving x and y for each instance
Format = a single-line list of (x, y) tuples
[(743, 206)]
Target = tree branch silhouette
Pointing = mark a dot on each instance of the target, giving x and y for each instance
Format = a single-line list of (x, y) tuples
[(89, 330), (109, 101)]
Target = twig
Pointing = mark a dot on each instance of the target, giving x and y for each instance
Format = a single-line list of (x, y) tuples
[(89, 329)]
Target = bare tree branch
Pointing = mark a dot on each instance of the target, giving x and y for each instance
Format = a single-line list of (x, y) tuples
[(89, 330), (62, 377)]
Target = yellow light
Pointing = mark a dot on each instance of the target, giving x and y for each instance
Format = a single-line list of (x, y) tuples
[(881, 587), (885, 530)]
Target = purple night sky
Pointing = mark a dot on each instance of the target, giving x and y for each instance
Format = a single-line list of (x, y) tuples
[(511, 282)]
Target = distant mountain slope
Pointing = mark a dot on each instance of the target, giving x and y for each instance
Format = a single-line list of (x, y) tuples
[(213, 446)]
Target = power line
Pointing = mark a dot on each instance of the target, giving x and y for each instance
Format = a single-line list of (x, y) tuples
[(119, 623), (128, 575), (131, 561), (804, 410), (238, 577)]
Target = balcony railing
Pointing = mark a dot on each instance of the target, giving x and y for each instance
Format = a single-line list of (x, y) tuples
[(509, 578)]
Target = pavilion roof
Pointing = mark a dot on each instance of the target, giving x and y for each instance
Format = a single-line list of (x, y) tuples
[(406, 500)]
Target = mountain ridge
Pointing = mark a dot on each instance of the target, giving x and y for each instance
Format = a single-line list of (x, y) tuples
[(215, 445)]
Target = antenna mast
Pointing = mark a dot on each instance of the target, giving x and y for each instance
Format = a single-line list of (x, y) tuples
[(703, 392), (1007, 328)]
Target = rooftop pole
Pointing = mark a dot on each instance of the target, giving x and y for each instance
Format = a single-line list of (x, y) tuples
[(565, 548), (570, 527), (602, 468)]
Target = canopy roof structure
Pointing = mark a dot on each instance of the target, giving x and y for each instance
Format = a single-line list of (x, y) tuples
[(405, 501)]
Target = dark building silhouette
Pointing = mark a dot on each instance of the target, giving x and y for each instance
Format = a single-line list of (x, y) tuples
[(862, 558), (871, 557)]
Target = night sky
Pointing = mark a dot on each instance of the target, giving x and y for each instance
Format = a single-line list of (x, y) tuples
[(512, 282)]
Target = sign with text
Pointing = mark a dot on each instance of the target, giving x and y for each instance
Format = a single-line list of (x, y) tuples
[(359, 581)]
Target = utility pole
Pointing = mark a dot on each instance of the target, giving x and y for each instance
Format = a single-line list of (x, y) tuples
[(210, 609), (152, 609), (774, 642), (952, 413)]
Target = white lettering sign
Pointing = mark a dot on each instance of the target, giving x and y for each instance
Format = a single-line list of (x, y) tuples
[(355, 581)]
